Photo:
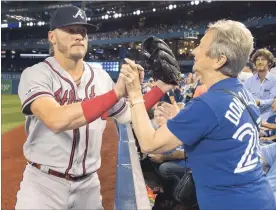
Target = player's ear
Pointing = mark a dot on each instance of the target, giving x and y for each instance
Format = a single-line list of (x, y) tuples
[(51, 37)]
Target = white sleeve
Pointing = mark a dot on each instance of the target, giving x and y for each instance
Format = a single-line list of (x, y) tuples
[(123, 114), (118, 108), (34, 82)]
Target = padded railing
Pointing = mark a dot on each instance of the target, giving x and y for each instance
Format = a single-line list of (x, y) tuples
[(130, 193)]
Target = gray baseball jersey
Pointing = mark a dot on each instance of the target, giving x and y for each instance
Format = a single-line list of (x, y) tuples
[(77, 151)]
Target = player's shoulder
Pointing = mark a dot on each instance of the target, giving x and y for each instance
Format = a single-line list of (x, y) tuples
[(36, 69)]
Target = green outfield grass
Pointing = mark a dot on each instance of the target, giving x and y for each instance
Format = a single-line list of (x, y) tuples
[(11, 113)]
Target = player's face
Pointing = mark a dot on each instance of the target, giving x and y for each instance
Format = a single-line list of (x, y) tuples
[(72, 41), (203, 64), (261, 64)]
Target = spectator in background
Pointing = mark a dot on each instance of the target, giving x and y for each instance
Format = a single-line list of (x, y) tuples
[(171, 165), (263, 84), (273, 69), (269, 127), (173, 96), (200, 89), (147, 86), (151, 83), (177, 92), (182, 82), (269, 161), (188, 89), (190, 76), (246, 72)]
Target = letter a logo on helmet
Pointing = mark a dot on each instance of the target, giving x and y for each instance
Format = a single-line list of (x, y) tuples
[(79, 13)]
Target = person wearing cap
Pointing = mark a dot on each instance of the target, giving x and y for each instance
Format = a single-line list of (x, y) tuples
[(66, 103)]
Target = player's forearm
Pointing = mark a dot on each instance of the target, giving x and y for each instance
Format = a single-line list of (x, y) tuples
[(67, 117), (78, 114), (152, 97)]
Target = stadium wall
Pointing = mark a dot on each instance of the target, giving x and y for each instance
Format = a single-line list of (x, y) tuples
[(9, 83)]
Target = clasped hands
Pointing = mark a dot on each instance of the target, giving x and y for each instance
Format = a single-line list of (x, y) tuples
[(133, 75), (130, 79)]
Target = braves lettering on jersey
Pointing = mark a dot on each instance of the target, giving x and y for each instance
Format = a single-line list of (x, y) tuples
[(221, 141), (77, 151)]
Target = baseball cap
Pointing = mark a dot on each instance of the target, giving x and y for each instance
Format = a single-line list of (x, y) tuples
[(69, 15)]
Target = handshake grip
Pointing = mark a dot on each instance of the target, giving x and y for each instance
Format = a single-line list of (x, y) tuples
[(161, 60)]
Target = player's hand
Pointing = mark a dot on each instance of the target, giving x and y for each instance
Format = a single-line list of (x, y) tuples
[(157, 158), (120, 88), (130, 72)]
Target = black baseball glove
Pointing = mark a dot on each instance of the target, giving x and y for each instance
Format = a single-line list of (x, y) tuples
[(162, 62)]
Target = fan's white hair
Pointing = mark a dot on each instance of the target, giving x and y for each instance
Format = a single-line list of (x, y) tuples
[(233, 40)]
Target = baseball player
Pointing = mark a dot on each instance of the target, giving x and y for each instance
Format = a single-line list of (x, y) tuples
[(219, 129), (66, 103)]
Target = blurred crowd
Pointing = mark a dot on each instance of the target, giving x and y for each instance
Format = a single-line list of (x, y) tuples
[(157, 29), (181, 25), (124, 33)]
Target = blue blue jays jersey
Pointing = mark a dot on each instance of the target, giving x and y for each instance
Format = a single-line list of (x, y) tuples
[(221, 141)]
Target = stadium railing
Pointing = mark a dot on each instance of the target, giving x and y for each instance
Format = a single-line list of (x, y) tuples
[(131, 192)]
